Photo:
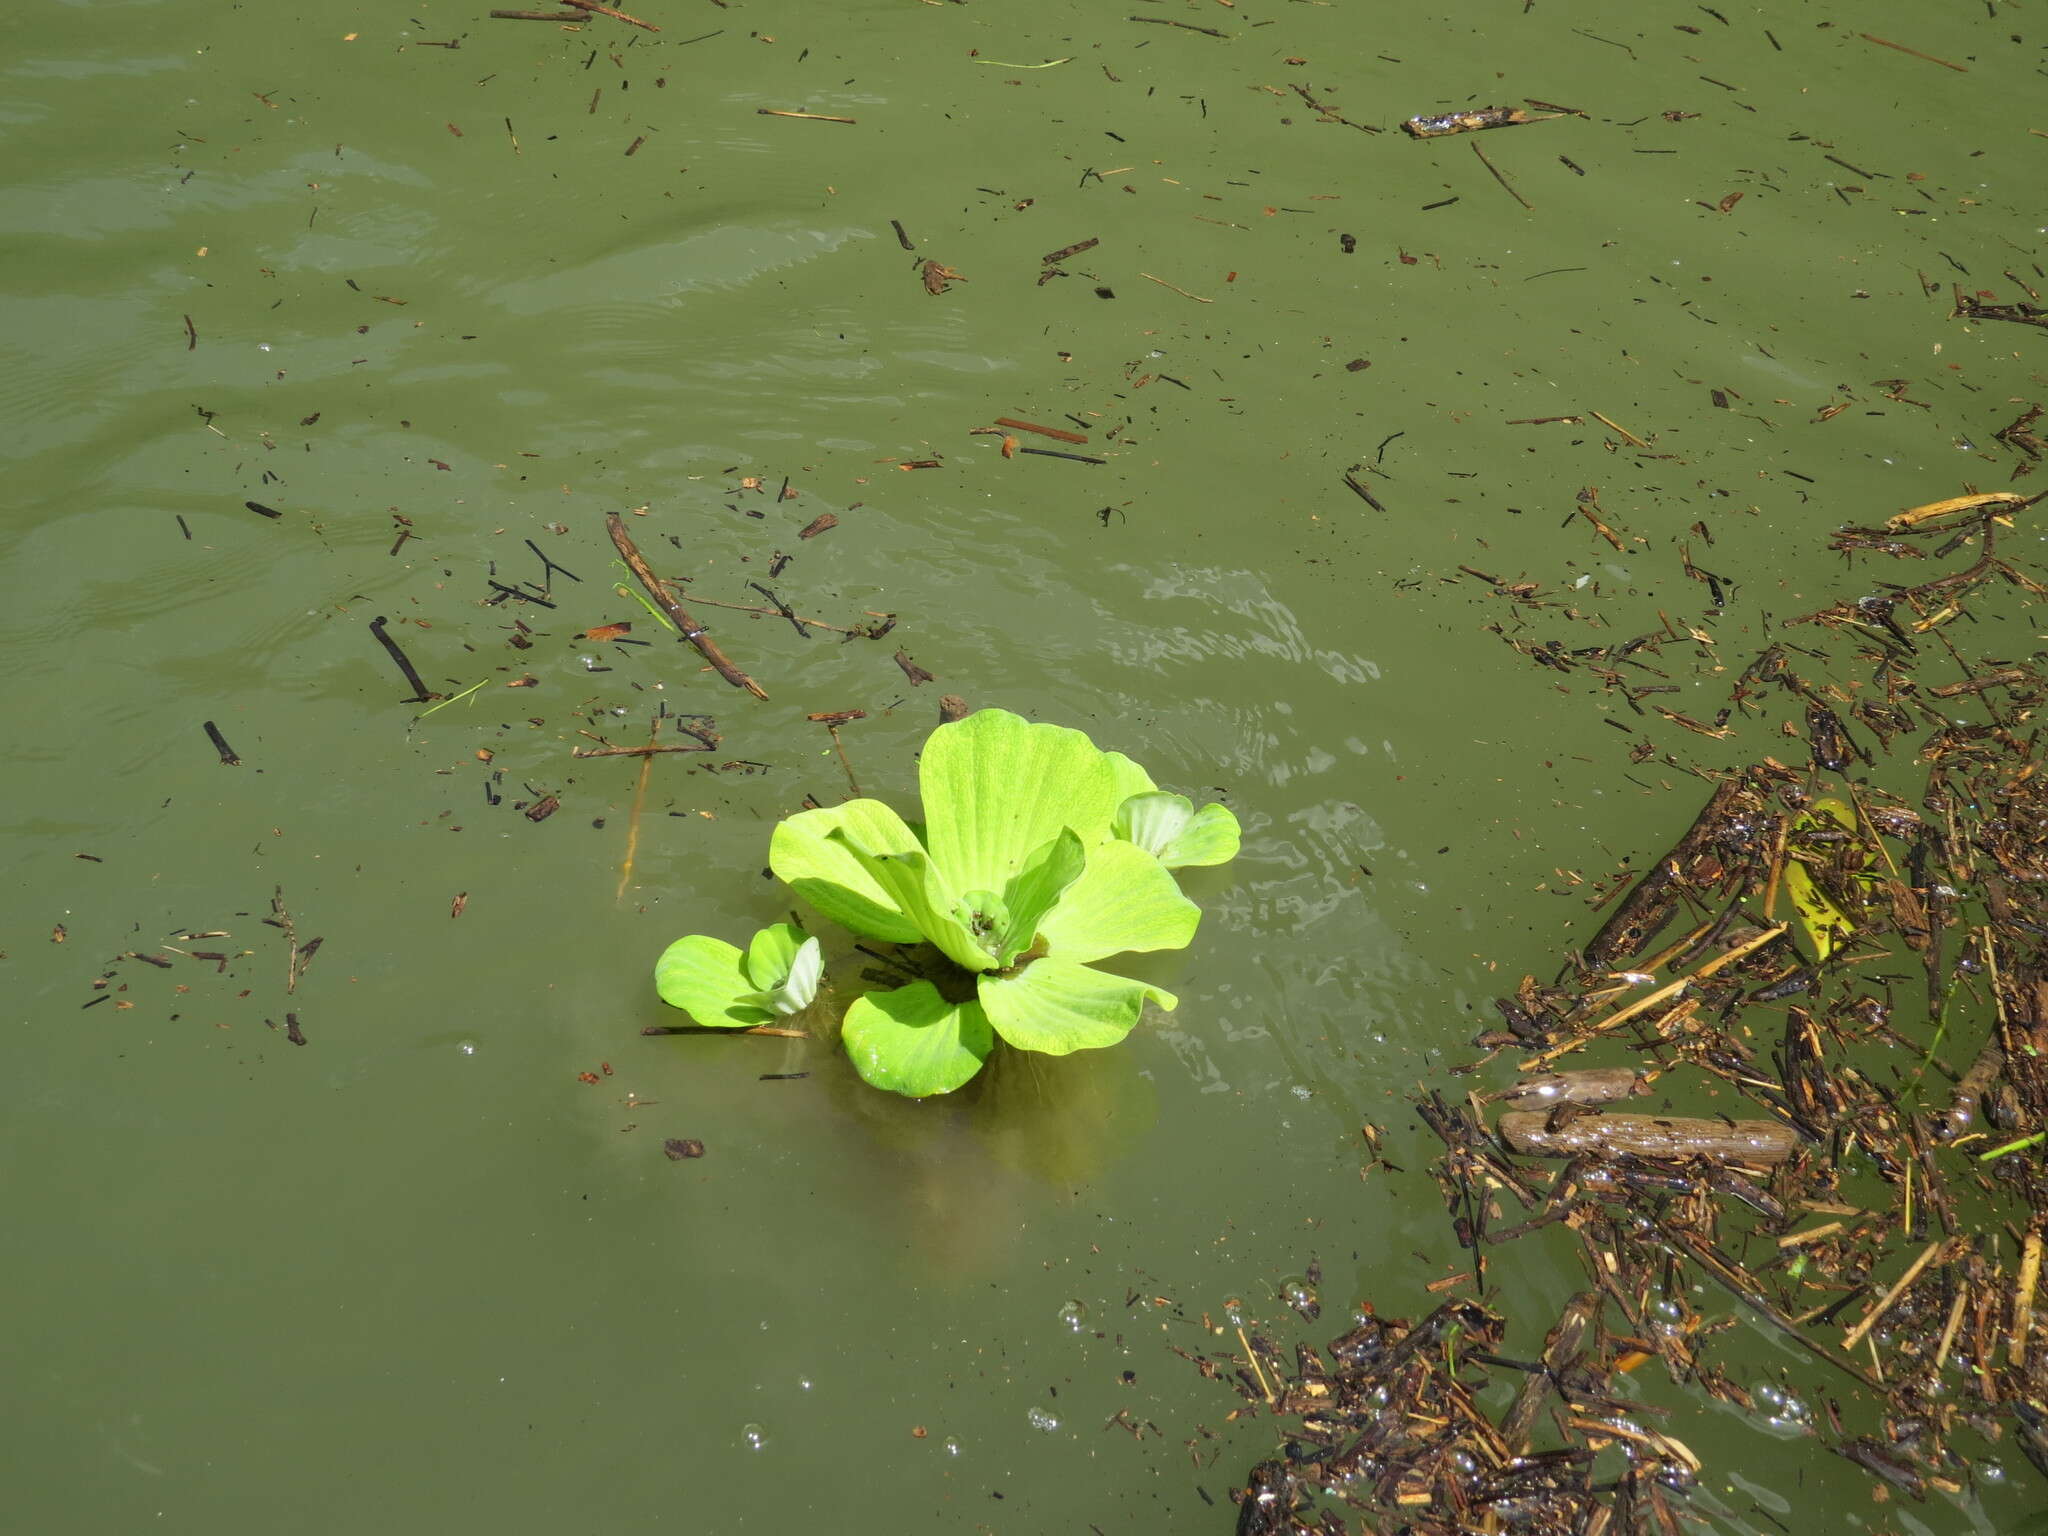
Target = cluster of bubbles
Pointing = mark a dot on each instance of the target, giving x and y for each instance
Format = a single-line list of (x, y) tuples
[(1301, 1296), (1784, 1413)]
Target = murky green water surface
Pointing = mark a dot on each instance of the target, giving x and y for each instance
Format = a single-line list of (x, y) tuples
[(481, 281)]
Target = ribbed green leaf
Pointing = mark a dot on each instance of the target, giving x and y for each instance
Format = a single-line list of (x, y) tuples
[(1154, 820), (1170, 829), (1124, 900), (785, 968), (770, 952), (913, 885), (1057, 1006), (912, 1041), (1045, 877), (707, 979), (998, 787), (831, 879), (1213, 837)]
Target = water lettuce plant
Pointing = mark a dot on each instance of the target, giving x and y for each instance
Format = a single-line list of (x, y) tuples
[(1039, 854)]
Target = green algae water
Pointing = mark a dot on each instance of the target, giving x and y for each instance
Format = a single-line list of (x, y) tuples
[(326, 314)]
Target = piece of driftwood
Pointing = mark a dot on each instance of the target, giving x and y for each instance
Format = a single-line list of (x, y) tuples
[(1659, 1136), (1593, 1085)]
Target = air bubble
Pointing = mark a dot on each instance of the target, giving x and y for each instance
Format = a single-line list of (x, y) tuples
[(1074, 1314), (1039, 1419), (754, 1437), (1301, 1296)]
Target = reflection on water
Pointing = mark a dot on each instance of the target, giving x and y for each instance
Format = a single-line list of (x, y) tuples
[(1271, 631)]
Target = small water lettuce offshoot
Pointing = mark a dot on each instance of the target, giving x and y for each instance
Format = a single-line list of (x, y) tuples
[(1039, 854), (722, 988), (1170, 829)]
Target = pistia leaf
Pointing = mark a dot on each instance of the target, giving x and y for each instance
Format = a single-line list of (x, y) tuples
[(1058, 1006), (912, 1041), (1034, 890), (785, 968), (914, 884), (998, 787), (707, 979), (1170, 829), (825, 872), (1125, 900)]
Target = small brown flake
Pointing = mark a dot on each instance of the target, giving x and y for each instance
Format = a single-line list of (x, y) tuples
[(676, 1148)]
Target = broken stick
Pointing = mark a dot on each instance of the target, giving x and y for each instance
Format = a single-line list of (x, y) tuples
[(666, 601)]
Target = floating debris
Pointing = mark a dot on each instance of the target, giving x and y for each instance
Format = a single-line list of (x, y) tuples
[(1816, 947)]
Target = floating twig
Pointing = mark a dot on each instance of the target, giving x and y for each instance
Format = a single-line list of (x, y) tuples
[(815, 117), (650, 750), (783, 609), (1162, 282), (1506, 185), (220, 744), (1855, 1335), (297, 956), (1185, 26), (1961, 69), (1727, 957), (1057, 434), (1358, 485), (837, 629), (422, 694), (605, 10), (685, 625), (1054, 453), (468, 692), (832, 721)]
